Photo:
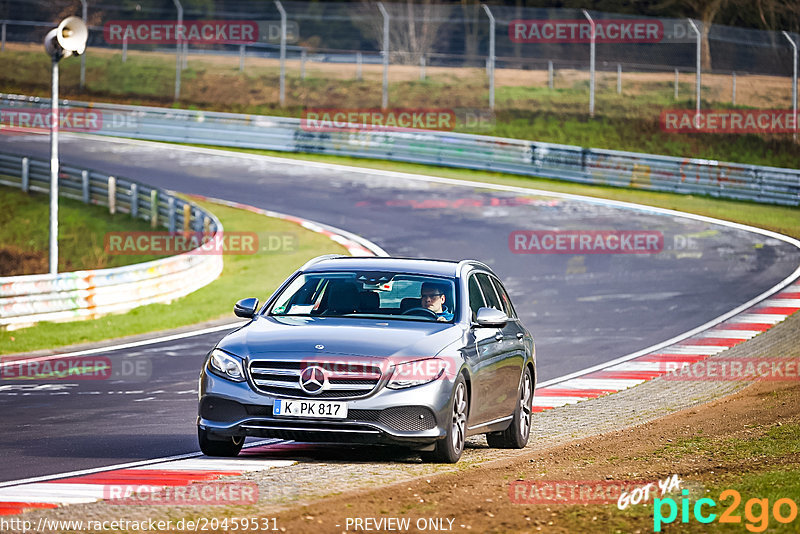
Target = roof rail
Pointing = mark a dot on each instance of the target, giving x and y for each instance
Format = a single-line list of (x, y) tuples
[(475, 263), (318, 259)]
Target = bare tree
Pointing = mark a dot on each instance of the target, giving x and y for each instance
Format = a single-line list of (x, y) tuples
[(470, 10), (770, 13), (414, 28)]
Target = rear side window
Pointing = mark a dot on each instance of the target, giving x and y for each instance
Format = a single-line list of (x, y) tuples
[(504, 300), (488, 291)]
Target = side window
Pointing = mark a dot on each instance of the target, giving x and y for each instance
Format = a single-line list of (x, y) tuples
[(475, 297), (504, 300), (488, 291)]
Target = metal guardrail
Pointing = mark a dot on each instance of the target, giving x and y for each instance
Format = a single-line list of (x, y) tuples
[(770, 185), (28, 299)]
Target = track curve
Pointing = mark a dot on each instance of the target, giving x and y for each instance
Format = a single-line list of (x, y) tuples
[(583, 310)]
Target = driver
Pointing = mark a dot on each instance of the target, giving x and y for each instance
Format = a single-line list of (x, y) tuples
[(432, 298)]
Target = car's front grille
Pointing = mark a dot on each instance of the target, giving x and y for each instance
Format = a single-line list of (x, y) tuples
[(338, 380)]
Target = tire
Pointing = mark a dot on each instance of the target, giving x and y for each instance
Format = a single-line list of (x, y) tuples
[(516, 435), (227, 448), (449, 449)]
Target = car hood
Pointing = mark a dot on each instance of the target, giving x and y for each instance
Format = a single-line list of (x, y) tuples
[(269, 337)]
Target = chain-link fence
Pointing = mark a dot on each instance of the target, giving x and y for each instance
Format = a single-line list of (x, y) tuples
[(372, 55)]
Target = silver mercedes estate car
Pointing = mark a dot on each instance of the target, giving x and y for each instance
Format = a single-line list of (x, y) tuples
[(412, 352)]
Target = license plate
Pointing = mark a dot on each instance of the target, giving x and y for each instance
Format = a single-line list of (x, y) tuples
[(307, 408)]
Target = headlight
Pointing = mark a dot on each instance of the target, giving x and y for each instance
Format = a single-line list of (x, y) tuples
[(226, 365), (416, 373)]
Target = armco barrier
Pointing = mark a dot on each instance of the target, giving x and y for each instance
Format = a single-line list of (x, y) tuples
[(586, 165), (25, 300)]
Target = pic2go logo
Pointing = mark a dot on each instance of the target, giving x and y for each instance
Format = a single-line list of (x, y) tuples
[(756, 511)]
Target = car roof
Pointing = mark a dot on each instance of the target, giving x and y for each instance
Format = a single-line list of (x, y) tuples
[(431, 267)]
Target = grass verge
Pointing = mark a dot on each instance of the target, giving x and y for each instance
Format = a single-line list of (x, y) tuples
[(25, 234), (255, 275), (763, 469)]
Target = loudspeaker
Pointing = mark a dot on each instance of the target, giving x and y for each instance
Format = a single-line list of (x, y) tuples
[(69, 38)]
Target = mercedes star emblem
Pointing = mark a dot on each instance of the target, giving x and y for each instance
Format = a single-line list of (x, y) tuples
[(312, 380)]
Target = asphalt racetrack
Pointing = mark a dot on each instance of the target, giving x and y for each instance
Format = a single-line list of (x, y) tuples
[(583, 309)]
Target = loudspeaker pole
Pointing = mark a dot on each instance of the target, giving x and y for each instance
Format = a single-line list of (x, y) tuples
[(54, 119)]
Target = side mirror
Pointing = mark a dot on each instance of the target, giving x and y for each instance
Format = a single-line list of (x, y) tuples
[(246, 308), (490, 317)]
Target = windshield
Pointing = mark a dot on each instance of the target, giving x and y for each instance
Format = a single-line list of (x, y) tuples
[(387, 295)]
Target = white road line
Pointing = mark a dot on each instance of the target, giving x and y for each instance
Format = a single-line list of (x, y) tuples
[(153, 462), (219, 464), (766, 318), (554, 402), (641, 366), (783, 303), (696, 350), (616, 384), (7, 361), (729, 334)]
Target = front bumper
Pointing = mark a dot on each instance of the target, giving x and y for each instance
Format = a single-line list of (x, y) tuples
[(413, 417)]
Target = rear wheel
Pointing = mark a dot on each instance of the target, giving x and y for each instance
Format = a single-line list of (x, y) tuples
[(211, 447), (516, 435), (449, 449)]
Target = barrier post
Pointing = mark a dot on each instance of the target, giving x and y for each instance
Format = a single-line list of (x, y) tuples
[(153, 208), (26, 184), (676, 84), (134, 201), (85, 189), (112, 195), (187, 218), (171, 208)]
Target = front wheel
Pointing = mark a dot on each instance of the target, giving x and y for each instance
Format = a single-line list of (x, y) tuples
[(516, 435), (449, 449), (210, 447)]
